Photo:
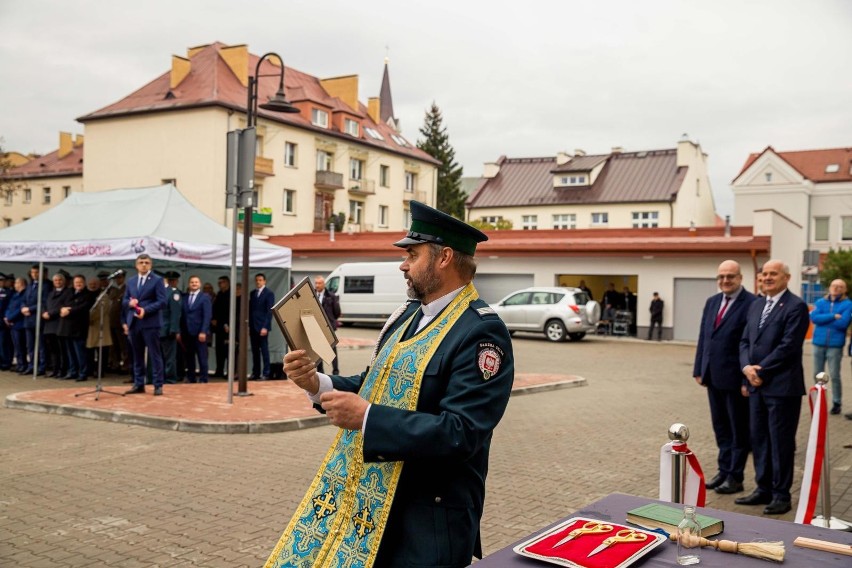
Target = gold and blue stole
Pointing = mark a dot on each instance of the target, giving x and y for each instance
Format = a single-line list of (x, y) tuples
[(342, 517)]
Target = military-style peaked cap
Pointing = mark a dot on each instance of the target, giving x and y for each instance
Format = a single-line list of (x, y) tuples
[(429, 225)]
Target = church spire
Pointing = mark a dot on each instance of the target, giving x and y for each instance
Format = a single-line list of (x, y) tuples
[(386, 101)]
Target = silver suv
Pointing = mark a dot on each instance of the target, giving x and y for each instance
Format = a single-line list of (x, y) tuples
[(560, 313)]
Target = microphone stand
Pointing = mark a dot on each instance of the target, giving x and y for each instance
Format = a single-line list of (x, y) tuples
[(100, 306)]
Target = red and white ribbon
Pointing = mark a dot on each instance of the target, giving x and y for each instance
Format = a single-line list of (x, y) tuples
[(814, 455), (694, 492)]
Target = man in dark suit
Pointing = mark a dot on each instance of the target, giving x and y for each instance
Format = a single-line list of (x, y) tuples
[(331, 306), (771, 360), (717, 368), (31, 316), (143, 300), (260, 321), (656, 309), (169, 332), (195, 327), (220, 322), (54, 343), (421, 417), (74, 327)]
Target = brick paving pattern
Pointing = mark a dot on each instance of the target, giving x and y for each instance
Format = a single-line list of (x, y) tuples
[(77, 492)]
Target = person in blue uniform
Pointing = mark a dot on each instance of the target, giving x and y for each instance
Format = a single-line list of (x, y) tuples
[(14, 321), (6, 349), (771, 360), (261, 301), (30, 311), (144, 298), (416, 426), (195, 327)]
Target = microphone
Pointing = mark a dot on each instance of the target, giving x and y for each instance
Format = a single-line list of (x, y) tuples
[(116, 274)]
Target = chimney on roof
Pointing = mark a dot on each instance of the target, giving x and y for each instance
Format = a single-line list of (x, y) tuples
[(617, 149), (181, 67), (236, 57), (65, 144), (78, 140), (578, 152), (191, 51), (344, 88), (490, 170), (373, 109), (687, 151), (562, 158)]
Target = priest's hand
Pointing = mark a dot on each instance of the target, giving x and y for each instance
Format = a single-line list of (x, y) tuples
[(344, 409), (302, 371)]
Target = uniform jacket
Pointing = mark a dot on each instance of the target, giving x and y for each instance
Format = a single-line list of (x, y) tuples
[(444, 443), (13, 315), (196, 318), (172, 313), (31, 301), (260, 314), (828, 330), (76, 323), (152, 298), (56, 299), (777, 347), (717, 355), (5, 298), (331, 306)]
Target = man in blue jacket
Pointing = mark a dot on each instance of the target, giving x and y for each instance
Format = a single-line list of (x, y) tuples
[(260, 322), (717, 367), (831, 316), (771, 360), (143, 299), (404, 482), (195, 327)]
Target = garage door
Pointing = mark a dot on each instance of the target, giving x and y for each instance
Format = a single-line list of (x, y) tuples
[(493, 287), (690, 295)]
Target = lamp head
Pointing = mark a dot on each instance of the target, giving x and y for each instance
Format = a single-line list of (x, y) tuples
[(278, 103)]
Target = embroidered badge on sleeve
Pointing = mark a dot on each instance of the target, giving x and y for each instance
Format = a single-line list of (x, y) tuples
[(489, 357)]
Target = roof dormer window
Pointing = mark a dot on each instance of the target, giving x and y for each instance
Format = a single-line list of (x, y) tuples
[(351, 127), (832, 168), (573, 179), (373, 133), (319, 118)]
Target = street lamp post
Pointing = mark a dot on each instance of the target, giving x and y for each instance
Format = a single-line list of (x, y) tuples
[(276, 103)]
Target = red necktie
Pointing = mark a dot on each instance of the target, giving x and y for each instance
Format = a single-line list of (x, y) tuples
[(721, 313)]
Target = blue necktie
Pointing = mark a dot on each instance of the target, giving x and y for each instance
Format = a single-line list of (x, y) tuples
[(765, 314)]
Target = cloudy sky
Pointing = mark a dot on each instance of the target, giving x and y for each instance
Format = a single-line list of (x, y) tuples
[(512, 78)]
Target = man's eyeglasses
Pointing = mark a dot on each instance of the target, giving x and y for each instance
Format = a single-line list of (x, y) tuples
[(727, 277)]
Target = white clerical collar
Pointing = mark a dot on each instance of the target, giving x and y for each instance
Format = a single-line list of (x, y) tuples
[(434, 307)]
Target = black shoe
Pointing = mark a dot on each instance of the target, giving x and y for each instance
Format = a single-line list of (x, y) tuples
[(263, 378), (141, 390), (757, 497), (82, 379), (730, 486), (717, 480), (835, 409), (777, 507), (158, 391), (26, 372)]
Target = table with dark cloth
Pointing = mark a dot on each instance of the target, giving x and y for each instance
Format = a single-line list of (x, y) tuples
[(738, 527)]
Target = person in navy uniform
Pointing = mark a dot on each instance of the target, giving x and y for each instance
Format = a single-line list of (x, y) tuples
[(195, 327), (771, 360), (444, 442), (6, 349), (331, 306), (30, 311), (717, 368), (261, 301), (144, 298), (14, 321), (170, 330)]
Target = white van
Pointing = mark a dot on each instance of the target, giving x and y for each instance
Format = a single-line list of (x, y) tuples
[(369, 292)]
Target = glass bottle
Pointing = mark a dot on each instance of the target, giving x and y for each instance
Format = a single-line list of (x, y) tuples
[(688, 535)]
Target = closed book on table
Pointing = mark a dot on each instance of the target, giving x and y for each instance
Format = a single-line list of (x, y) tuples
[(656, 516)]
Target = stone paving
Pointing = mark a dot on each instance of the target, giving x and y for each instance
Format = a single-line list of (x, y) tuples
[(79, 492)]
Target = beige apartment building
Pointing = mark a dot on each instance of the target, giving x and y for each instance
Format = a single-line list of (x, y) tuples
[(644, 189), (36, 183), (336, 155)]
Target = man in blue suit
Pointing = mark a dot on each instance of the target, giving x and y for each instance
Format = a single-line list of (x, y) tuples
[(260, 321), (717, 368), (771, 360), (30, 311), (195, 326), (144, 298)]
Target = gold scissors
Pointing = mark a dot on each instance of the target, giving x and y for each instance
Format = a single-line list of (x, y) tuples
[(624, 535), (590, 527)]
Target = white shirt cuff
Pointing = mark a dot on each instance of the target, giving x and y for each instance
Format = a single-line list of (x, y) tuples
[(324, 386)]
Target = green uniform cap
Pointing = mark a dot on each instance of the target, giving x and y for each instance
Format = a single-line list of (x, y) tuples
[(429, 225)]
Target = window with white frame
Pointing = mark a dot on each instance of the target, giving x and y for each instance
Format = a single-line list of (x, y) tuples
[(645, 219), (289, 201), (324, 160), (529, 222), (356, 168), (410, 181), (600, 219), (319, 118), (46, 196), (383, 215), (28, 195), (491, 219), (820, 228), (255, 196), (565, 221), (575, 179), (406, 218), (290, 154), (384, 176), (846, 228), (10, 196), (351, 127), (356, 209)]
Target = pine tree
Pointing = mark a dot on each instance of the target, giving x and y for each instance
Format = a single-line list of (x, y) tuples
[(837, 264), (437, 144)]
